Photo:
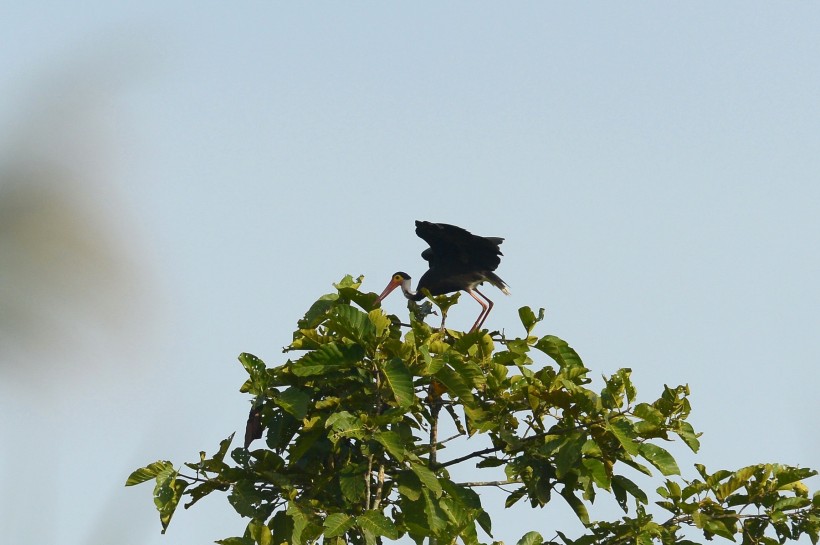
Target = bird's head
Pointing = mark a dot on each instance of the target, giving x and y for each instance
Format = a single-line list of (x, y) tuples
[(399, 279)]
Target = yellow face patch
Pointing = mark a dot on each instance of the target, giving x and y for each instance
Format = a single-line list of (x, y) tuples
[(397, 278)]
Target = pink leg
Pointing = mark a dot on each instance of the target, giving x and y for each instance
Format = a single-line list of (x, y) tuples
[(485, 308)]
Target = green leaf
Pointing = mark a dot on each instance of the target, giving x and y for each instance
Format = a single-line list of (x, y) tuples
[(576, 505), (294, 401), (328, 358), (569, 453), (392, 441), (235, 541), (337, 524), (788, 475), (427, 478), (531, 538), (514, 496), (597, 471), (318, 311), (258, 381), (148, 472), (687, 433), (380, 321), (400, 382), (529, 319), (659, 458), (560, 351), (345, 424), (351, 481), (353, 324), (622, 483), (167, 493), (623, 432), (300, 521), (791, 503), (455, 385), (378, 524), (409, 485), (436, 518), (260, 533)]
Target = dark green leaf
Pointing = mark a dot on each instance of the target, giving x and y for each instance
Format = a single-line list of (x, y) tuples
[(294, 401), (393, 443), (409, 485), (344, 424), (337, 524), (569, 453), (400, 382), (576, 505), (427, 478), (625, 484), (352, 483), (514, 496), (235, 541), (378, 524), (455, 385)]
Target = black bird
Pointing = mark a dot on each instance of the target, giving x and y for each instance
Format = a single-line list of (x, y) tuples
[(459, 260)]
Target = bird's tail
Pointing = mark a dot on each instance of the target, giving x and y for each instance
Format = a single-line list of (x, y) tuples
[(496, 281)]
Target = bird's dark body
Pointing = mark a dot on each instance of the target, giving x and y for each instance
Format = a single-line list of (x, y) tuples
[(458, 259)]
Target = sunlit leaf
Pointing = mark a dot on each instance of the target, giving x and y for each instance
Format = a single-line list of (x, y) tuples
[(531, 538), (623, 432), (148, 472), (560, 351), (529, 319), (659, 458), (597, 470)]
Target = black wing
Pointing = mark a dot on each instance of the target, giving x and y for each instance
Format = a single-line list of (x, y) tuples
[(457, 249)]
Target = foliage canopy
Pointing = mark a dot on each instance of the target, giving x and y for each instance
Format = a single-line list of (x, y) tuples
[(352, 452)]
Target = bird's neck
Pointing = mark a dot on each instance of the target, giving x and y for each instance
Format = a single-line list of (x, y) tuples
[(412, 295)]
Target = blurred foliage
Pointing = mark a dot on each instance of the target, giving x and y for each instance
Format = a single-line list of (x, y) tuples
[(352, 453)]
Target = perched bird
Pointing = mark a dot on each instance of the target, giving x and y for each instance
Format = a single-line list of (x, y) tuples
[(459, 260)]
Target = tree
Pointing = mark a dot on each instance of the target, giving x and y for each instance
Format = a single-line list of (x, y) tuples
[(352, 452)]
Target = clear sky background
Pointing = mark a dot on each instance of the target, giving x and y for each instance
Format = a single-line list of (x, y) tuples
[(180, 181)]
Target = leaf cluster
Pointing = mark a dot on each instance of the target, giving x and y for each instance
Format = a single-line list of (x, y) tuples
[(352, 454)]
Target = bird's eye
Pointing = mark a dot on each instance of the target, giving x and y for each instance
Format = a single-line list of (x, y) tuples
[(397, 277)]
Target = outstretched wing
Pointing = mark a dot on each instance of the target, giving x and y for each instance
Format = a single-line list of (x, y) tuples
[(456, 249)]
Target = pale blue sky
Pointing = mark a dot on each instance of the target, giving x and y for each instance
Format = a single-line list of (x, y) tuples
[(654, 167)]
